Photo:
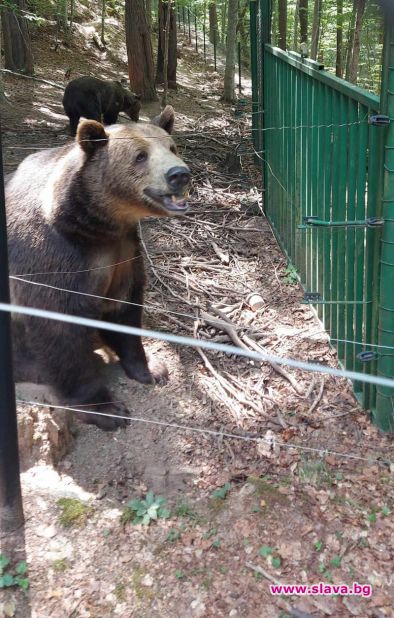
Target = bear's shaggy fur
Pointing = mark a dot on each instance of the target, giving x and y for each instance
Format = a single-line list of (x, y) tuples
[(72, 224), (100, 100)]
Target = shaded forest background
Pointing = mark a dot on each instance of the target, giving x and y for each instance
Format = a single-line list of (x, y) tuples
[(346, 36)]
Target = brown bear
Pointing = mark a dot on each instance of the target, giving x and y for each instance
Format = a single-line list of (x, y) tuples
[(72, 224), (98, 99)]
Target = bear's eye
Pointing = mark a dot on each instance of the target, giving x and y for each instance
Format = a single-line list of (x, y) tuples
[(141, 157), (173, 149)]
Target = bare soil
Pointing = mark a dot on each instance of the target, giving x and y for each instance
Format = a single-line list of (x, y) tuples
[(323, 515)]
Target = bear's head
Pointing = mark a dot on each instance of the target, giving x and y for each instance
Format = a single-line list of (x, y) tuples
[(134, 171), (131, 105)]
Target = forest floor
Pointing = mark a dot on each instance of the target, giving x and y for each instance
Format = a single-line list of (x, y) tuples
[(243, 513)]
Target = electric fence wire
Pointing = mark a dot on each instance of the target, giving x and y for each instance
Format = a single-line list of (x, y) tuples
[(272, 442), (197, 343)]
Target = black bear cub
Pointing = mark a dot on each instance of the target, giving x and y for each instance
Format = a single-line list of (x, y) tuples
[(72, 224), (98, 99)]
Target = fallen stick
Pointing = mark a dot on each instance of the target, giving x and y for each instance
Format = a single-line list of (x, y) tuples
[(248, 343), (36, 79), (264, 573)]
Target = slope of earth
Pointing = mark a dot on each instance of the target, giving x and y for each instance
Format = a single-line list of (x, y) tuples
[(301, 493)]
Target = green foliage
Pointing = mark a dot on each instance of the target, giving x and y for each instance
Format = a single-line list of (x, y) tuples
[(13, 577), (318, 545), (73, 512), (173, 535), (183, 509), (336, 562), (266, 551), (291, 275), (179, 574), (145, 511), (221, 493)]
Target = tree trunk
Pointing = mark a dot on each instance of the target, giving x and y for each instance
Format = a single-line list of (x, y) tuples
[(62, 15), (164, 15), (16, 40), (139, 51), (350, 39), (148, 11), (296, 22), (166, 50), (355, 57), (303, 9), (339, 57), (282, 23), (224, 23), (316, 29), (232, 21), (213, 22), (103, 3)]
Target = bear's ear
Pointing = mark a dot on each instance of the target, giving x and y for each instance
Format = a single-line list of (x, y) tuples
[(166, 119), (91, 136)]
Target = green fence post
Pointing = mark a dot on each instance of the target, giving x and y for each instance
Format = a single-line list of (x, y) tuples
[(383, 413), (266, 18), (253, 70)]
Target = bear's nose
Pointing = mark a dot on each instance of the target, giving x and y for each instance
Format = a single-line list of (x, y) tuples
[(177, 178)]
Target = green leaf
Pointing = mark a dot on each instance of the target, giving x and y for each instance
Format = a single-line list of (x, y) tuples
[(276, 562), (150, 498), (6, 580), (160, 500), (222, 492), (179, 574), (4, 562), (164, 513), (134, 505), (265, 551), (318, 545), (21, 567), (372, 518), (336, 561), (22, 582), (152, 512), (385, 511), (146, 520), (216, 543), (173, 535)]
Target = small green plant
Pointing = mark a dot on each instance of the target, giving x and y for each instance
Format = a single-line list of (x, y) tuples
[(372, 517), (276, 562), (13, 577), (318, 545), (173, 535), (60, 565), (183, 509), (266, 551), (291, 275), (179, 574), (145, 511), (270, 555), (221, 493), (216, 544), (210, 533), (336, 562), (386, 511), (73, 512)]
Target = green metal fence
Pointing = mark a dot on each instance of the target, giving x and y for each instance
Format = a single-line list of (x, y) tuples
[(323, 164)]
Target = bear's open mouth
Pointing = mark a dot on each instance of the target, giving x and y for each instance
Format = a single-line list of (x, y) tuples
[(170, 201)]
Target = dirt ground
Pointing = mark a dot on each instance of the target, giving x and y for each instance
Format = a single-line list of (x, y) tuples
[(312, 501)]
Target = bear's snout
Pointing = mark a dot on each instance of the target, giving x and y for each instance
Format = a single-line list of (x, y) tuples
[(178, 178)]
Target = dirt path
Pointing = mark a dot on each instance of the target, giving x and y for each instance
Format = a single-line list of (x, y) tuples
[(286, 514)]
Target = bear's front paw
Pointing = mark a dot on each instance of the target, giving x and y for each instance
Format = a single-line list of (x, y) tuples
[(152, 372), (107, 423)]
